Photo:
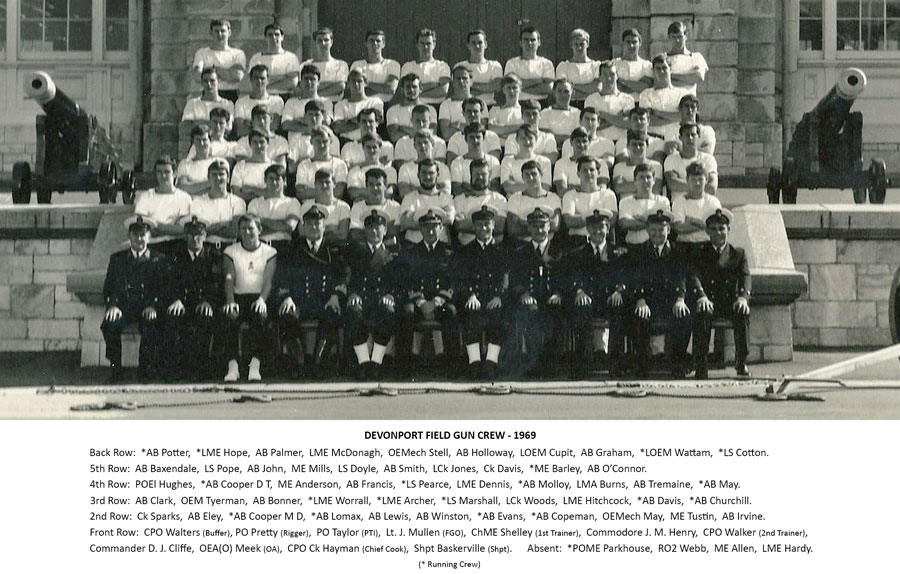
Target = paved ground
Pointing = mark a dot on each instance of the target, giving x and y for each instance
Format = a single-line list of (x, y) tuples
[(24, 380)]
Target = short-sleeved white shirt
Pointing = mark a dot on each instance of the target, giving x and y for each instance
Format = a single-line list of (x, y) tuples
[(401, 115), (428, 72), (698, 208), (333, 70), (301, 145), (405, 149), (654, 145), (306, 171), (415, 201), (246, 173), (466, 205), (165, 208), (278, 146), (338, 211), (576, 202), (378, 73), (217, 148), (409, 173), (197, 110), (353, 154), (521, 205), (193, 170), (484, 73), (451, 111), (295, 108), (280, 208), (633, 71), (249, 267), (511, 169), (459, 146), (664, 100), (217, 210), (539, 67), (707, 138), (500, 116), (347, 110), (361, 210), (566, 169), (675, 162), (626, 172), (245, 104), (281, 64), (459, 169), (631, 206), (206, 57), (559, 122), (600, 148), (613, 104), (578, 72), (357, 175), (685, 63), (545, 144)]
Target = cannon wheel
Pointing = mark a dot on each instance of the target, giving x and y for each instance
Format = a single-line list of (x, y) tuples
[(21, 182), (894, 308), (128, 187), (859, 194), (108, 180), (878, 181)]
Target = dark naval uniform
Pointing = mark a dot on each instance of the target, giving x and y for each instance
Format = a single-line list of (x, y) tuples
[(132, 284), (481, 271), (599, 276), (194, 281), (722, 277), (310, 277), (371, 275)]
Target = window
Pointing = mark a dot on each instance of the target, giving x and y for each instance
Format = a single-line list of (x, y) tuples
[(868, 25), (117, 25), (811, 25), (56, 26)]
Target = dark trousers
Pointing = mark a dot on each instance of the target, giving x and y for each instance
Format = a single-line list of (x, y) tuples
[(580, 318), (489, 321), (410, 315), (150, 338), (381, 317), (540, 326), (703, 328), (188, 341), (677, 334), (329, 323), (230, 328)]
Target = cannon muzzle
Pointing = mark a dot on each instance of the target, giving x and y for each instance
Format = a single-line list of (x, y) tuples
[(850, 83), (40, 87)]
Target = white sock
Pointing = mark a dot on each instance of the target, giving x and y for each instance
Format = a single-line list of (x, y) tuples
[(474, 352), (493, 353), (438, 338), (253, 371), (362, 353), (233, 371), (417, 343), (378, 353), (601, 340)]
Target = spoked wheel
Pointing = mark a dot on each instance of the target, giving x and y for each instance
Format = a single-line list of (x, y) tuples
[(878, 181), (109, 181), (22, 182), (128, 187)]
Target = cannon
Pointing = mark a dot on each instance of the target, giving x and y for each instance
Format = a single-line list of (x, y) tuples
[(73, 152), (826, 149)]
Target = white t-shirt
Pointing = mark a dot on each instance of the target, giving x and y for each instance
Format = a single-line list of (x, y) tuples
[(538, 67), (626, 172), (249, 267), (338, 211), (246, 173), (459, 169), (458, 145), (295, 108), (451, 111), (280, 208), (559, 122), (631, 206), (685, 63), (353, 154), (306, 171), (409, 173), (333, 70), (613, 104), (357, 175), (664, 100), (654, 145), (416, 200), (633, 71), (379, 73), (697, 208), (576, 202), (545, 145), (225, 59), (361, 210), (281, 64), (401, 115), (500, 116), (511, 169), (197, 110), (405, 149), (217, 148), (193, 170), (484, 73), (245, 104), (301, 145), (707, 138), (428, 72), (675, 162), (466, 205), (278, 146), (347, 110), (578, 72), (600, 148), (217, 210), (165, 208), (566, 170), (521, 205)]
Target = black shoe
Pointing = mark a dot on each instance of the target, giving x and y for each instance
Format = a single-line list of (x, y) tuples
[(489, 370), (474, 370), (116, 375), (741, 370), (679, 373), (362, 371), (375, 371), (702, 373), (617, 371)]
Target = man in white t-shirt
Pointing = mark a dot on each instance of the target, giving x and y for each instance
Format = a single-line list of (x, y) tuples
[(633, 209), (383, 74), (219, 122), (426, 196), (459, 169), (278, 149), (478, 195), (321, 159), (192, 171), (580, 69), (589, 195), (230, 62), (165, 204), (639, 122), (375, 198), (337, 211), (623, 171), (347, 110), (399, 116), (511, 166), (450, 114), (334, 72), (634, 74), (663, 99), (278, 214), (691, 209), (294, 118), (534, 196), (688, 68), (689, 106), (433, 74), (546, 142), (611, 105), (352, 152), (283, 66), (536, 72), (473, 110), (218, 207), (258, 96), (677, 163), (486, 73), (598, 146), (196, 111)]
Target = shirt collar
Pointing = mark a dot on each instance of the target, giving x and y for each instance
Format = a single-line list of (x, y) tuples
[(314, 246), (140, 255), (598, 247), (542, 246)]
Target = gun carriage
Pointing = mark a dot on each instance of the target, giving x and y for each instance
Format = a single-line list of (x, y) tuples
[(74, 153), (826, 149)]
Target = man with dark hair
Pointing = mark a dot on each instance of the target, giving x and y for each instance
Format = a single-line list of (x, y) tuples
[(132, 293), (689, 153), (663, 99), (486, 73), (382, 73), (230, 62), (191, 172), (688, 68), (165, 204), (536, 72), (283, 66), (634, 74), (259, 96), (720, 287), (433, 73), (278, 214), (197, 109), (334, 71)]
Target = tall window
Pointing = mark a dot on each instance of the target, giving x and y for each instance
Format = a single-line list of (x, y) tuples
[(868, 25), (811, 25), (117, 25), (56, 26)]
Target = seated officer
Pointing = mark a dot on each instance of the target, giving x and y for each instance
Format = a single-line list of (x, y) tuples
[(131, 292), (371, 294), (309, 285), (480, 285), (658, 280), (595, 284), (427, 286), (195, 292), (534, 290), (720, 283)]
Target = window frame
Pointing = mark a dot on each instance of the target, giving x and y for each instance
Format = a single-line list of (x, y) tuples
[(829, 51)]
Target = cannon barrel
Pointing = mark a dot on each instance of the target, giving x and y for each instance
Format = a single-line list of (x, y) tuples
[(834, 108), (42, 89)]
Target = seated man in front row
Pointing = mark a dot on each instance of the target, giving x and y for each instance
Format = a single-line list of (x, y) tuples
[(720, 284), (132, 291)]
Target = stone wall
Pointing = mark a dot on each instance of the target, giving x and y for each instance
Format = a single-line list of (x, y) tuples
[(851, 255), (740, 40), (17, 143)]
